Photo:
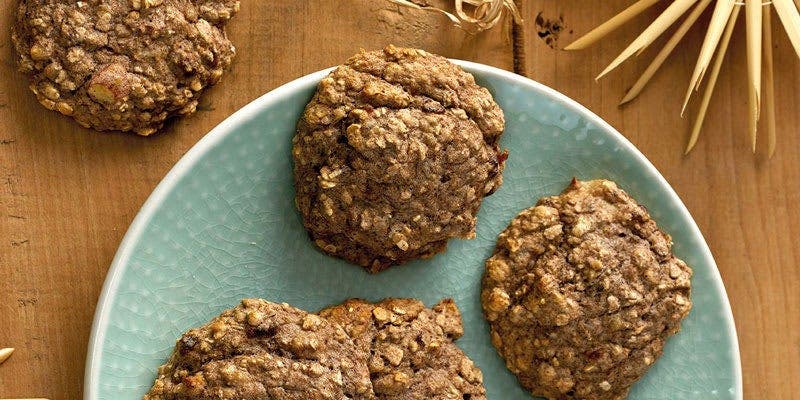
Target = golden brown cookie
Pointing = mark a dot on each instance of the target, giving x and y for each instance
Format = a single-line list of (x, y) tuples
[(394, 155), (124, 65), (412, 354), (261, 350), (582, 292)]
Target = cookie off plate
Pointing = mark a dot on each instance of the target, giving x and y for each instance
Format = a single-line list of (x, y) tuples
[(222, 226)]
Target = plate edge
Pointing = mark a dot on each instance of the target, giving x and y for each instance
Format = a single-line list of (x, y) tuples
[(221, 131), (148, 208), (653, 171)]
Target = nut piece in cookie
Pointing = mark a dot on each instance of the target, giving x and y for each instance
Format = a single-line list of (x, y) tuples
[(582, 292), (393, 157), (261, 350), (413, 356), (125, 65)]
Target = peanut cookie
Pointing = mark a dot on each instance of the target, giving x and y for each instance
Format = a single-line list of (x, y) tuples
[(393, 157), (124, 65), (262, 350), (582, 292), (413, 356)]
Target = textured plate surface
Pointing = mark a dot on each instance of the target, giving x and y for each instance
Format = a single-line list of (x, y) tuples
[(222, 226)]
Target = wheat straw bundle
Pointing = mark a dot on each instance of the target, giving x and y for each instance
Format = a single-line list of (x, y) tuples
[(485, 14), (758, 19), (471, 15)]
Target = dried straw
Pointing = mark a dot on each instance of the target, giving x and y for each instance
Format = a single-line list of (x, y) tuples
[(485, 14), (753, 9), (611, 25), (5, 353), (759, 52), (712, 81), (722, 13), (666, 51), (478, 15), (769, 83), (661, 24), (790, 17)]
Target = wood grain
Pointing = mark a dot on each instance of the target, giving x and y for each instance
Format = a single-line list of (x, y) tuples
[(745, 205), (68, 194)]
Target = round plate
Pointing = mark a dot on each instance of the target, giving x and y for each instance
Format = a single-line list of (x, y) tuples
[(222, 226)]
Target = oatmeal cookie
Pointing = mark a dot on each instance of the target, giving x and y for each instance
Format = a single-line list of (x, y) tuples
[(393, 156), (413, 356), (262, 350), (124, 65), (582, 292)]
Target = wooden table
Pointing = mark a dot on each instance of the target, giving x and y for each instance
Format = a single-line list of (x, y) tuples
[(67, 194)]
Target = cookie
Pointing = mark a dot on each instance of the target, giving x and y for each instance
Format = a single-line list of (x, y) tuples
[(582, 292), (393, 156), (262, 350), (124, 65), (413, 356)]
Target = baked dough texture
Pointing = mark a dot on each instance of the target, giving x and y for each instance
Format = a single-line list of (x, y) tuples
[(123, 65), (393, 157), (582, 293), (261, 351), (412, 354)]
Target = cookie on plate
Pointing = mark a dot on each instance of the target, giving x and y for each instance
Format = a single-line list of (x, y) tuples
[(393, 156), (262, 350), (413, 356), (124, 65), (582, 292)]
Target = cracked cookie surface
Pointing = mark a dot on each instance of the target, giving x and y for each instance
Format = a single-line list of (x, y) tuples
[(582, 292), (412, 354), (263, 350), (393, 157), (125, 65)]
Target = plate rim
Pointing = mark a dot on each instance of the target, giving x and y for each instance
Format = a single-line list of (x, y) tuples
[(125, 250)]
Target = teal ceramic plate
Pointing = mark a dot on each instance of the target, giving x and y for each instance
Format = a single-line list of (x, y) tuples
[(222, 226)]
